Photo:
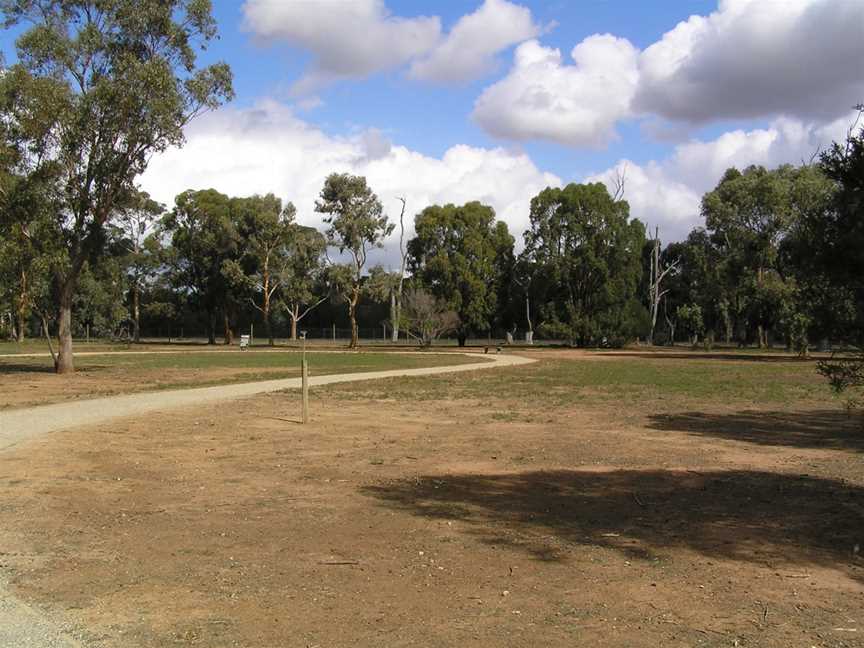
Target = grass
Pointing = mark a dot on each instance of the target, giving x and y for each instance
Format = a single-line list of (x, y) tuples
[(31, 380), (289, 361), (607, 380)]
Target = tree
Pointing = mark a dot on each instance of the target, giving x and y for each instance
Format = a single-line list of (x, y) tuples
[(426, 317), (461, 255), (588, 252), (265, 230), (204, 238), (838, 243), (399, 279), (25, 233), (657, 271), (100, 87), (357, 224), (135, 222), (301, 270), (689, 316)]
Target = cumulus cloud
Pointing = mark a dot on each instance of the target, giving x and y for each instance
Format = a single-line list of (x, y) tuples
[(347, 39), (668, 193), (545, 98), (749, 59), (469, 50), (752, 58), (269, 149)]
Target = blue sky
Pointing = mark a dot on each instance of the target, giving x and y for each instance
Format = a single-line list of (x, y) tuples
[(429, 117), (494, 100)]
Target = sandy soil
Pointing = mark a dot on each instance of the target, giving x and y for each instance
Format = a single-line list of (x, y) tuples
[(443, 523)]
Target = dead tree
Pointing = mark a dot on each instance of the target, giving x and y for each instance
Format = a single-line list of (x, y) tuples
[(655, 281), (396, 292)]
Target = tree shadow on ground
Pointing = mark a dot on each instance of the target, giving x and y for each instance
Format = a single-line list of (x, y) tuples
[(826, 429), (711, 355), (19, 368), (761, 517)]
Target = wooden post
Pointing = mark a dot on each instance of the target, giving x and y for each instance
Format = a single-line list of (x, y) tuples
[(304, 381), (251, 334)]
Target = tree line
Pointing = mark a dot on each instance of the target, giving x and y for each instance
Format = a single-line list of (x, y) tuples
[(97, 90)]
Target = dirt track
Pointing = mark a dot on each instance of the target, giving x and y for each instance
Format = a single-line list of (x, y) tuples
[(22, 424)]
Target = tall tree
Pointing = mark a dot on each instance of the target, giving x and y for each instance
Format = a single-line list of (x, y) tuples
[(589, 252), (461, 255), (135, 222), (302, 271), (658, 268), (357, 224), (265, 229), (203, 239), (100, 87)]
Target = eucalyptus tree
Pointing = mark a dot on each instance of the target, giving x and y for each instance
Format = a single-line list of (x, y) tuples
[(265, 230), (589, 254), (135, 222), (204, 238), (99, 87), (462, 255), (302, 275), (356, 225)]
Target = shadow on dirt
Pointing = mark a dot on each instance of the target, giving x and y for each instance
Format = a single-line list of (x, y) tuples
[(826, 429), (46, 368), (761, 517)]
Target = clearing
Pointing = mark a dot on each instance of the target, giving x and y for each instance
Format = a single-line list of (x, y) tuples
[(627, 499), (28, 380)]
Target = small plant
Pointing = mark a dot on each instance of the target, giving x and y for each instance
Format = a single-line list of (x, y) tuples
[(846, 377)]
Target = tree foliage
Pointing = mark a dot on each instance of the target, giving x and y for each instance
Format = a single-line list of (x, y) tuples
[(588, 253), (98, 88), (462, 255)]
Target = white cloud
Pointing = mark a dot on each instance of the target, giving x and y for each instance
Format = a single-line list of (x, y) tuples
[(469, 50), (269, 149), (668, 192), (749, 59), (347, 39), (544, 98), (753, 58)]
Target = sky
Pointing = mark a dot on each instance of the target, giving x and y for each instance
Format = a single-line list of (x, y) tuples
[(494, 100)]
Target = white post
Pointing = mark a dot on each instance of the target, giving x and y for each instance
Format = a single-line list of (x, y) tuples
[(251, 334)]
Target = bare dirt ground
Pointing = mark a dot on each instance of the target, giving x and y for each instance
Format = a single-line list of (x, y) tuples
[(459, 518)]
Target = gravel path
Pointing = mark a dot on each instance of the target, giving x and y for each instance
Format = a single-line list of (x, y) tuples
[(22, 626), (19, 425)]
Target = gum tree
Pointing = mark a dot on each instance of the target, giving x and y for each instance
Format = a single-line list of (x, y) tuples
[(357, 224), (99, 87)]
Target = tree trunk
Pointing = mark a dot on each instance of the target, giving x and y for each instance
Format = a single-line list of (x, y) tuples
[(268, 326), (21, 310), (293, 326), (395, 315), (462, 338), (352, 313), (136, 312), (64, 364), (19, 333), (228, 333)]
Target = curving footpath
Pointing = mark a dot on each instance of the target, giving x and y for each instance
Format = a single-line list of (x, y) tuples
[(23, 626), (23, 424)]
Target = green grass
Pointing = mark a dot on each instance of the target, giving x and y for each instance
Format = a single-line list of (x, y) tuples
[(630, 381), (319, 362)]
